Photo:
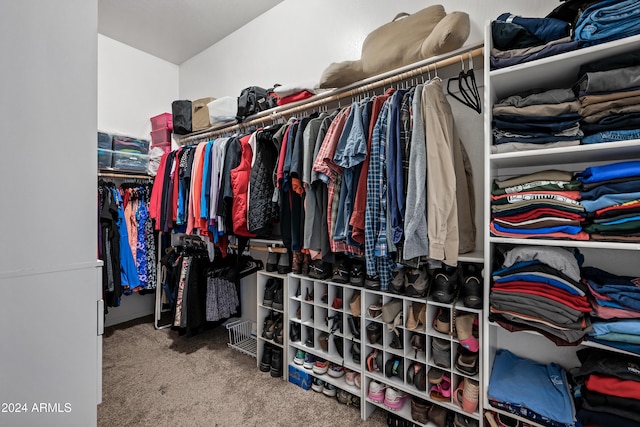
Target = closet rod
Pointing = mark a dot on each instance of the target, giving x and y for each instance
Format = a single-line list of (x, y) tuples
[(124, 176), (364, 86)]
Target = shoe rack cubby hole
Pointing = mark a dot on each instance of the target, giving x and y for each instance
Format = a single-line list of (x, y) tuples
[(320, 315), (307, 338), (389, 359), (306, 290), (411, 353), (439, 343), (388, 339), (320, 295), (443, 312), (306, 313), (333, 293), (456, 351)]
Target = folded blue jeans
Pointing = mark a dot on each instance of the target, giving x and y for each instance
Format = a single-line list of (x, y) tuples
[(546, 29), (608, 20), (611, 136)]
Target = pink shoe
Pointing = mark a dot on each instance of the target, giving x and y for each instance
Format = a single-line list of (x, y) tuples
[(376, 391), (394, 399)]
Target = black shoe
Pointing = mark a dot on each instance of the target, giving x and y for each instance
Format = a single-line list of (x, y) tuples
[(269, 291), (372, 282), (356, 275), (284, 266), (276, 362), (337, 341), (272, 262), (354, 325), (277, 295), (319, 270), (265, 362), (471, 289), (445, 285), (341, 272), (396, 286), (294, 331)]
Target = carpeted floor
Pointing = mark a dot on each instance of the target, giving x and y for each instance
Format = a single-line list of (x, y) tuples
[(157, 378)]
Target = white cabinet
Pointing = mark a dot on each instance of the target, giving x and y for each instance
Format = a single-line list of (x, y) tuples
[(271, 320), (559, 71)]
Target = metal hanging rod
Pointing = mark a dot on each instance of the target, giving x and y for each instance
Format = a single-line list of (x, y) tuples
[(350, 91), (124, 175)]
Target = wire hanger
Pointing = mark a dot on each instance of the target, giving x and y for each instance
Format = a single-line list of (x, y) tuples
[(467, 87)]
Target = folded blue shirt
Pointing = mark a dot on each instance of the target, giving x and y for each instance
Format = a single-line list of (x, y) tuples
[(610, 171)]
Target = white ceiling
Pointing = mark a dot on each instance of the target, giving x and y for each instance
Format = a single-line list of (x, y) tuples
[(175, 30)]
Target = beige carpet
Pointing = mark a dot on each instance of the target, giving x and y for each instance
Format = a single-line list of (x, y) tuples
[(157, 378)]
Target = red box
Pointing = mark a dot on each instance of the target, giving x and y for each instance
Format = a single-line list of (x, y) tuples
[(161, 135), (166, 146), (160, 121)]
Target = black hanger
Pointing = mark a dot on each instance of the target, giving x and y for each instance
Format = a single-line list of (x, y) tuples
[(467, 87)]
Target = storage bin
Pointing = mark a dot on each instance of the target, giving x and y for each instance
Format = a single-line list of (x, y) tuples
[(104, 158), (160, 136), (163, 120), (165, 146), (105, 141), (131, 145), (134, 162)]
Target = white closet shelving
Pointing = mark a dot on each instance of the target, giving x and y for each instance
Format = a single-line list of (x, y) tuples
[(560, 71), (263, 311)]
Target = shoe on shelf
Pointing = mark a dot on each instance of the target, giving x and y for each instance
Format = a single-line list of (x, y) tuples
[(265, 362), (394, 368), (319, 270), (343, 396), (445, 286), (309, 361), (441, 352), (298, 291), (337, 301), (294, 331), (269, 293), (337, 342), (354, 304), (375, 361), (467, 361), (394, 399), (278, 337), (296, 265), (464, 331), (419, 410), (306, 260), (355, 352), (358, 380), (471, 289), (372, 282), (354, 401), (320, 367), (317, 385), (276, 362), (278, 295), (466, 395), (438, 415), (416, 283), (442, 322), (356, 275), (354, 326), (284, 266), (341, 271), (272, 262), (329, 390), (299, 359), (376, 391), (418, 343), (309, 340), (350, 378), (323, 338), (374, 332), (335, 371), (464, 421), (396, 286)]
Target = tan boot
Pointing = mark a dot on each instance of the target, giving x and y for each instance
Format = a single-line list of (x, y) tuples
[(464, 330), (422, 317), (412, 320)]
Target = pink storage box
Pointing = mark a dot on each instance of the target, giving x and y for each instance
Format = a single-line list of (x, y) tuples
[(161, 135), (160, 121), (166, 146)]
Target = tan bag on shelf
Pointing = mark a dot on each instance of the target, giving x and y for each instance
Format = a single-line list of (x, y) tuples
[(200, 114)]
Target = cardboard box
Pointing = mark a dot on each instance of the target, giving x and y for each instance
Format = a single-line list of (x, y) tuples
[(300, 377)]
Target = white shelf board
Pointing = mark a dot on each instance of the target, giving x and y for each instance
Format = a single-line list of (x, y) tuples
[(567, 243), (473, 256), (560, 69), (606, 151), (515, 417)]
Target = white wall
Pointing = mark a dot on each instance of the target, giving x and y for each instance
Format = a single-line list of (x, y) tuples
[(48, 280), (297, 39), (132, 87)]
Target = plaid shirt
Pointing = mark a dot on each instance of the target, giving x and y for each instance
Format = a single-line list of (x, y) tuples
[(376, 249), (328, 172)]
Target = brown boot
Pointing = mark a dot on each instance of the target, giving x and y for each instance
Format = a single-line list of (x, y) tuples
[(422, 317), (464, 330), (419, 410), (298, 259), (412, 319), (306, 259)]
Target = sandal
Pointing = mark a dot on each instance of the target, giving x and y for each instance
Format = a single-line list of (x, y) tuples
[(442, 391), (466, 396)]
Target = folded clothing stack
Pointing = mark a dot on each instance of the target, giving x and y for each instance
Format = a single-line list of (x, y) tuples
[(525, 387), (542, 204), (611, 196), (606, 21), (538, 288), (612, 296), (517, 40), (536, 119), (609, 91), (609, 388)]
